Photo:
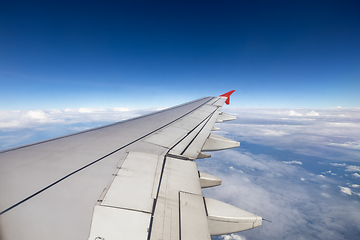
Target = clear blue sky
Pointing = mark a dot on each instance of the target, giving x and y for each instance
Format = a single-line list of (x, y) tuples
[(67, 54)]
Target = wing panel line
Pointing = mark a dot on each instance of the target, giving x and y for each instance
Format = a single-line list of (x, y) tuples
[(209, 117), (179, 215), (95, 161)]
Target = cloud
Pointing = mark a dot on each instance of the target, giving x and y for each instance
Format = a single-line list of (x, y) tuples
[(121, 109), (353, 168), (355, 185), (320, 132), (345, 190), (271, 189), (86, 110), (351, 145), (293, 113), (39, 115), (325, 195), (301, 209), (293, 162), (338, 164), (269, 132), (232, 237), (265, 183), (356, 175), (312, 113)]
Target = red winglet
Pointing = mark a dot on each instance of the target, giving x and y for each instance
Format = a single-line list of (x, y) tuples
[(228, 96)]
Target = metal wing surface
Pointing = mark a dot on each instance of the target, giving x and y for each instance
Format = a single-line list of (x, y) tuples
[(135, 179)]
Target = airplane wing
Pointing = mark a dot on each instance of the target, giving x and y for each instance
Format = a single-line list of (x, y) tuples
[(134, 179)]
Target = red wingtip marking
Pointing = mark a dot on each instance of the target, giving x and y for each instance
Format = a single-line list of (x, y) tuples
[(228, 96)]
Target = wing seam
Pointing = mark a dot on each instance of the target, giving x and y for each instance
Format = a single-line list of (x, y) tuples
[(209, 117)]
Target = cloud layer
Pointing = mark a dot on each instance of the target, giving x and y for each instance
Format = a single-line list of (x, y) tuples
[(298, 168), (317, 132)]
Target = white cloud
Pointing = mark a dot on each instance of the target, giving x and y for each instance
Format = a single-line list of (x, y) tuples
[(292, 129), (353, 168), (338, 164), (267, 186), (301, 209), (321, 176), (293, 113), (312, 113), (273, 133), (161, 108), (350, 145), (86, 110), (345, 190), (355, 185), (325, 195), (293, 162), (232, 237), (121, 109), (78, 129), (55, 111), (38, 114)]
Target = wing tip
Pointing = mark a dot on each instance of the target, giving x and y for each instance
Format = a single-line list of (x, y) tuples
[(228, 96)]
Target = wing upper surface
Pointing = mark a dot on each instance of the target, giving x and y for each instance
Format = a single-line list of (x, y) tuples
[(138, 174)]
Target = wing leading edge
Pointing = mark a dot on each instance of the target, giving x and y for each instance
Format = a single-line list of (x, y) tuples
[(135, 179)]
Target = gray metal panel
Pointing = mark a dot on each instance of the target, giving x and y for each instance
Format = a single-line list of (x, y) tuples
[(215, 143), (213, 100), (224, 218), (118, 224), (220, 101), (62, 210), (178, 176), (135, 182), (187, 123), (167, 137), (193, 219)]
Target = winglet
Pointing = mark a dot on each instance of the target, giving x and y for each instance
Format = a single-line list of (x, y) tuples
[(228, 96)]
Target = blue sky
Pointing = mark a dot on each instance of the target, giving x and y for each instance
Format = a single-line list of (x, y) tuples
[(72, 65), (73, 54)]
